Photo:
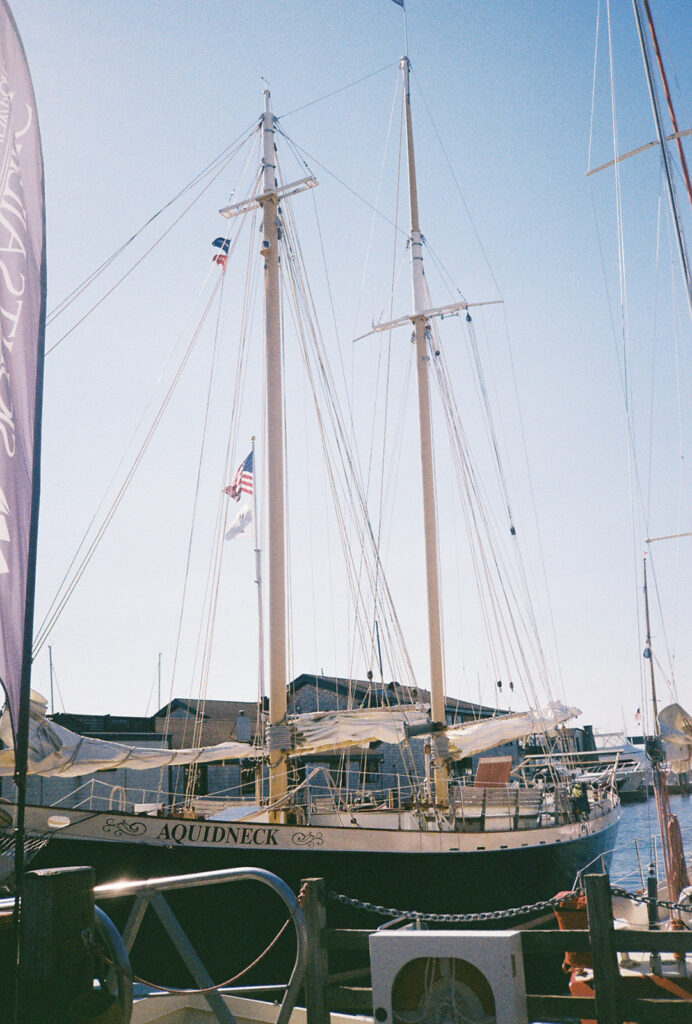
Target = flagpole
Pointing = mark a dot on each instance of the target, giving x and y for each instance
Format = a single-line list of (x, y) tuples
[(258, 581), (22, 743)]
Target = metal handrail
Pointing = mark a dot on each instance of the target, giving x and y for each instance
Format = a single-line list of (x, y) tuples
[(151, 891)]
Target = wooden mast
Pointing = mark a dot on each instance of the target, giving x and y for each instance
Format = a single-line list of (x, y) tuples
[(420, 329), (278, 736), (276, 540)]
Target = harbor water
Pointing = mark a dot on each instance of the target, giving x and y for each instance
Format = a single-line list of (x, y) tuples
[(638, 840)]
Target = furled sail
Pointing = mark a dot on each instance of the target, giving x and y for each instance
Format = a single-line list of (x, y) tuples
[(335, 730), (676, 736), (475, 737), (54, 750)]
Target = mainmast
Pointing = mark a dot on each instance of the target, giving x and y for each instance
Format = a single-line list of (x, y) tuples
[(420, 319), (421, 330)]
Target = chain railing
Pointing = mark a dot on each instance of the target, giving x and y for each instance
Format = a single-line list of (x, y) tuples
[(497, 915)]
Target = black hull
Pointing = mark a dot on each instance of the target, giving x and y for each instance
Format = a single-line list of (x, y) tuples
[(232, 924)]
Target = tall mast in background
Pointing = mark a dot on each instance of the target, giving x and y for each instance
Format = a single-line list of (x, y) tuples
[(667, 168)]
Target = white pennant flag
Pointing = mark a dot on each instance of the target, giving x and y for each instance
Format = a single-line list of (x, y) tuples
[(242, 524)]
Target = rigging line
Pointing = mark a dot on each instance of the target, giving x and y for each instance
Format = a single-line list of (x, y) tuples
[(669, 647), (64, 303), (216, 554), (300, 283), (343, 88), (378, 193), (301, 324), (210, 598), (130, 442), (137, 262), (623, 360), (462, 465), (340, 181), (682, 489), (505, 490), (212, 587), (380, 518), (593, 83), (653, 357), (516, 548), (458, 186), (347, 458), (534, 509), (369, 470), (250, 285), (58, 605), (198, 477), (465, 467)]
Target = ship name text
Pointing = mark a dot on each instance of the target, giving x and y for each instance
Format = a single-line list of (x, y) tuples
[(242, 835)]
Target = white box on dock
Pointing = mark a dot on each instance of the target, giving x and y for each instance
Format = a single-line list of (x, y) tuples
[(427, 974)]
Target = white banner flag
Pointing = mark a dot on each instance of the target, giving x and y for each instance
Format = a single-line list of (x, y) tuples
[(22, 327), (241, 525)]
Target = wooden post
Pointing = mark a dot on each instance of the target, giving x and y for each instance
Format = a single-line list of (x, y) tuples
[(317, 974), (56, 966), (606, 973)]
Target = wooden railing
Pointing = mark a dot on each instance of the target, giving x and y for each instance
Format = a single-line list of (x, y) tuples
[(614, 1000)]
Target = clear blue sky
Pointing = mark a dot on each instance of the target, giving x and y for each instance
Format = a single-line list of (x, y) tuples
[(136, 96)]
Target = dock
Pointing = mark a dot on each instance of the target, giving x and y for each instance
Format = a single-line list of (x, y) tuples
[(75, 965)]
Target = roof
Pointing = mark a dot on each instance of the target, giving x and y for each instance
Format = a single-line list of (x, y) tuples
[(387, 693), (216, 709), (100, 724)]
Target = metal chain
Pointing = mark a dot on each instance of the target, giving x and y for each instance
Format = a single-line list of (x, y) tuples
[(495, 915), (486, 915), (640, 898)]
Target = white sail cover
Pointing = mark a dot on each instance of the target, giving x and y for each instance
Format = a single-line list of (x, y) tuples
[(475, 737), (54, 750), (676, 736), (335, 730)]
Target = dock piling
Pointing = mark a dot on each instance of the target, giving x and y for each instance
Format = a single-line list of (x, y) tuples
[(606, 972), (317, 974), (57, 926)]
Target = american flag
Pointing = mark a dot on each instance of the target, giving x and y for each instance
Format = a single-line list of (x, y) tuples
[(242, 481)]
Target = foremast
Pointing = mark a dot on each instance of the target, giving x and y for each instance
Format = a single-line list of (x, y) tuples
[(419, 319), (268, 200)]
